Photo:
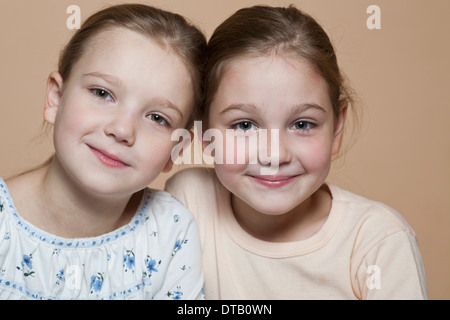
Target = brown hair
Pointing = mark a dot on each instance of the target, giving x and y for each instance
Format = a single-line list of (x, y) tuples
[(264, 30), (168, 29)]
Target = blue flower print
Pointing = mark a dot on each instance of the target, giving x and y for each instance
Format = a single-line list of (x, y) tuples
[(151, 266), (176, 218), (60, 276), (177, 246), (96, 282), (27, 261), (129, 260), (175, 294), (26, 265)]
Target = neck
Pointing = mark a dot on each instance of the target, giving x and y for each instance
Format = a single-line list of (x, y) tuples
[(58, 206), (300, 223)]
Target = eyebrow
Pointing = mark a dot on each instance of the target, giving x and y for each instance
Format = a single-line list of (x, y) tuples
[(251, 108), (300, 108), (168, 104), (106, 77), (246, 107)]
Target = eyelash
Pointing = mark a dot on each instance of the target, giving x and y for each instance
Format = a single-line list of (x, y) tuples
[(236, 125), (166, 122), (310, 125), (96, 93)]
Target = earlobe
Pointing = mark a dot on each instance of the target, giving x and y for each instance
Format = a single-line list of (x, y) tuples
[(339, 129), (53, 97), (168, 166), (204, 145)]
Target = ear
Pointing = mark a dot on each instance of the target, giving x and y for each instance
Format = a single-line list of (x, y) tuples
[(206, 141), (339, 128), (168, 166), (53, 97), (205, 144)]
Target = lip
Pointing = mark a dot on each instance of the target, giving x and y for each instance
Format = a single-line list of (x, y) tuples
[(274, 181), (108, 159)]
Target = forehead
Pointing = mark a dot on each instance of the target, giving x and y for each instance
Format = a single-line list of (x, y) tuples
[(272, 80), (126, 48), (140, 63)]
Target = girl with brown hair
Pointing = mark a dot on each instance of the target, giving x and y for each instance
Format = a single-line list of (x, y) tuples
[(288, 234)]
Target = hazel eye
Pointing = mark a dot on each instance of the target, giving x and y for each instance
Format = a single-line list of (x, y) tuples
[(102, 94), (159, 119)]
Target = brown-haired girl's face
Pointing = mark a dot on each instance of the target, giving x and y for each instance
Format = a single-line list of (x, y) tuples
[(279, 93), (114, 115)]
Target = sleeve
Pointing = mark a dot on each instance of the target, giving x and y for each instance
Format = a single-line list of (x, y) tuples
[(392, 269), (195, 188), (184, 273), (176, 185)]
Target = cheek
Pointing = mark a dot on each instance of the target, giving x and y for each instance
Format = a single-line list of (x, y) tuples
[(68, 125), (240, 151), (75, 113), (156, 149), (315, 156), (227, 148), (229, 175)]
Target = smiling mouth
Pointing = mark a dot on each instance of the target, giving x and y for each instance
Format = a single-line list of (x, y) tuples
[(274, 181), (108, 159)]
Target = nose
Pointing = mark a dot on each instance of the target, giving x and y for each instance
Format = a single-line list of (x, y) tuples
[(284, 149), (121, 127), (274, 148)]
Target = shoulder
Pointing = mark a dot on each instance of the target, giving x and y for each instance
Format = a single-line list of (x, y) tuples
[(199, 189), (381, 241), (373, 229), (368, 214), (193, 182), (163, 204), (165, 219)]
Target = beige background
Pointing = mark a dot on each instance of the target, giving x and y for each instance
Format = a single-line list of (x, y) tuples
[(401, 155)]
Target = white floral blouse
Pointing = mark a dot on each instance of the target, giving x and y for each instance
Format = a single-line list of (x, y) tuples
[(155, 256)]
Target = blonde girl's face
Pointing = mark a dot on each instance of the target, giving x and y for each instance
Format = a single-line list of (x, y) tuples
[(114, 116), (286, 94)]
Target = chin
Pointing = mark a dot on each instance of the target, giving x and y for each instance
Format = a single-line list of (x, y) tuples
[(99, 186), (271, 209)]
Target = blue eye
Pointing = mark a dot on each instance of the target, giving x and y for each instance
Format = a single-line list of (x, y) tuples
[(102, 94), (244, 126), (303, 125)]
